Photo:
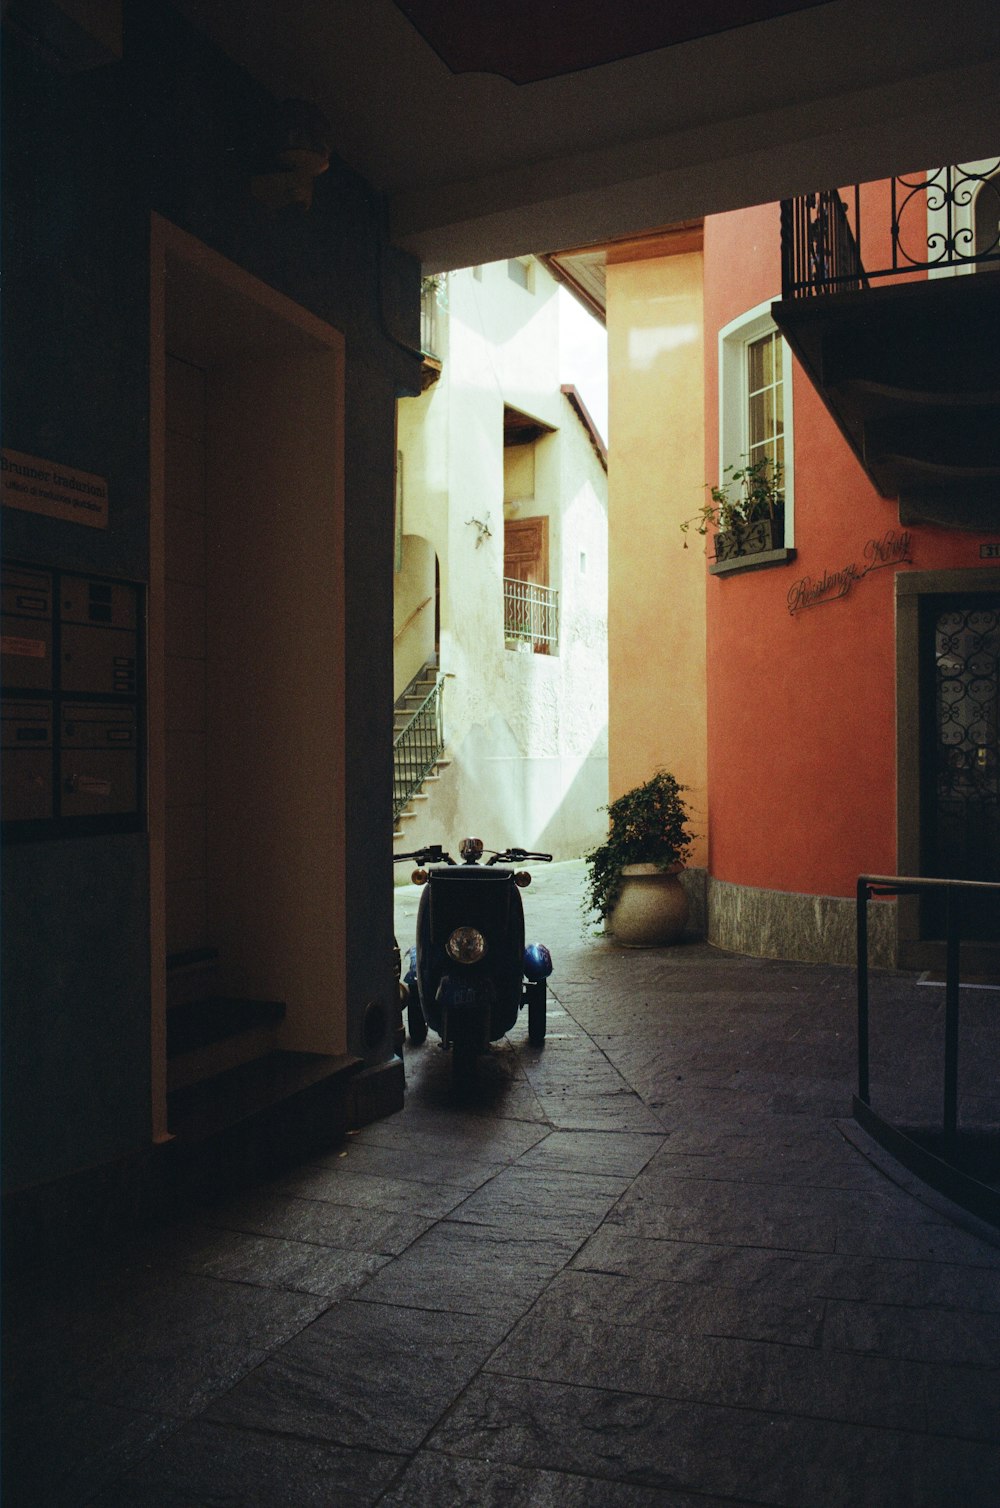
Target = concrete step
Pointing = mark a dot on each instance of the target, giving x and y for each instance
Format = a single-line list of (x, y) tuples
[(191, 976), (212, 1036), (243, 1118)]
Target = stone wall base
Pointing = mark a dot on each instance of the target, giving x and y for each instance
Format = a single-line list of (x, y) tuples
[(695, 882), (798, 928)]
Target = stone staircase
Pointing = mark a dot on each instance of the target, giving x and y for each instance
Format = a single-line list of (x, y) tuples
[(406, 706), (235, 1099)]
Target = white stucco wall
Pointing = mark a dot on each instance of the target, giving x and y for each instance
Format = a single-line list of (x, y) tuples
[(527, 733)]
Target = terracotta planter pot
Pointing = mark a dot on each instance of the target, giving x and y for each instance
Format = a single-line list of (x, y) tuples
[(652, 908)]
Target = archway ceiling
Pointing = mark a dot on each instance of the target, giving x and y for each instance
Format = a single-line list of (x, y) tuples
[(535, 40), (476, 167)]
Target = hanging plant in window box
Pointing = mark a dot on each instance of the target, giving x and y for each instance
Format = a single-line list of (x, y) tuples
[(747, 510)]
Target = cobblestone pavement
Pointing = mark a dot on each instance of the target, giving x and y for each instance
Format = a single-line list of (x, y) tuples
[(644, 1266)]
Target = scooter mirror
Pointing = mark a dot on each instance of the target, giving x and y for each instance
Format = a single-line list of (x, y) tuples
[(522, 878), (420, 877)]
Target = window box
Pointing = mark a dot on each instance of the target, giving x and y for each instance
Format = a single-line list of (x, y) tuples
[(755, 538), (753, 562)]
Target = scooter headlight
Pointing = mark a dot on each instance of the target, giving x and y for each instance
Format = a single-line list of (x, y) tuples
[(466, 945)]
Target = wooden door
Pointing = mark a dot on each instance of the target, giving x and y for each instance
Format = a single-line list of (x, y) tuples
[(526, 550)]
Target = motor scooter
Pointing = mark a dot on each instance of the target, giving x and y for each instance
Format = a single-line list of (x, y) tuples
[(470, 973)]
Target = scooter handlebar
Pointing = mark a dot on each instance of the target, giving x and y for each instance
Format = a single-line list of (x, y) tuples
[(520, 856), (432, 854)]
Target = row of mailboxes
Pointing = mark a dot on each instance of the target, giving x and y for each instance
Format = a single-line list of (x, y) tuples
[(71, 668), (93, 762)]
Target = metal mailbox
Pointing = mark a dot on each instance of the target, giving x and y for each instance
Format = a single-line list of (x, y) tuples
[(98, 638), (98, 759), (73, 702), (26, 634), (27, 760)]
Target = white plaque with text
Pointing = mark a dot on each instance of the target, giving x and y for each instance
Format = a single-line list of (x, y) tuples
[(38, 486)]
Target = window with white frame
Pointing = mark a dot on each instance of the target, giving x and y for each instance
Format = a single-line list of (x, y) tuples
[(755, 398), (963, 215)]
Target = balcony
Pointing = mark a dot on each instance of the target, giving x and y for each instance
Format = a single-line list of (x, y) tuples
[(433, 301), (530, 616), (888, 303)]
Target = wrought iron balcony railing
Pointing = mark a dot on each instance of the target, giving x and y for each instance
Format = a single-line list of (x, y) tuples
[(947, 218), (432, 296), (417, 747), (531, 615)]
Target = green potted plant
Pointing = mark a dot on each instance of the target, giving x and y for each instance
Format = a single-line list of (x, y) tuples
[(747, 509), (632, 876)]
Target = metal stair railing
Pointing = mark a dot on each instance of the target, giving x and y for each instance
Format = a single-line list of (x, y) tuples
[(417, 747), (936, 1159)]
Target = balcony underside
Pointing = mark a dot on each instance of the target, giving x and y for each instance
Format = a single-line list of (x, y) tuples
[(911, 375)]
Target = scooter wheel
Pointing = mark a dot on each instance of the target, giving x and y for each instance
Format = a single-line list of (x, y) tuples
[(536, 993), (416, 1026)]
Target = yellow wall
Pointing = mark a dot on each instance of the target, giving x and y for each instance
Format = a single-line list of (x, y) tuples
[(656, 588)]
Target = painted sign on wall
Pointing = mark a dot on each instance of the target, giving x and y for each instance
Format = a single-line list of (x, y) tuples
[(891, 549), (37, 486)]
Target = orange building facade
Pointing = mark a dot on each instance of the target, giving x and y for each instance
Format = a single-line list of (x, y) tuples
[(839, 716), (831, 734)]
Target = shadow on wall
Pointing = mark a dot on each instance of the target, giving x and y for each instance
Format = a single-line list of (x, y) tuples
[(415, 624), (492, 789), (579, 821)]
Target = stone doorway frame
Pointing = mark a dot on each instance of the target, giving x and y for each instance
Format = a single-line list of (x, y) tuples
[(912, 952)]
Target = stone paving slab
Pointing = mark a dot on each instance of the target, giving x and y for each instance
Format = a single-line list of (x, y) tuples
[(755, 1455), (374, 1376), (615, 1153), (318, 1221), (647, 1264), (542, 1202), (658, 1306), (58, 1448), (373, 1191), (791, 1380), (222, 1462), (269, 1261), (464, 1268), (747, 1269), (434, 1478), (158, 1341)]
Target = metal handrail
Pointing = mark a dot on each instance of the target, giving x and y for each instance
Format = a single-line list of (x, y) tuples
[(822, 242), (530, 614), (940, 1172), (417, 747)]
